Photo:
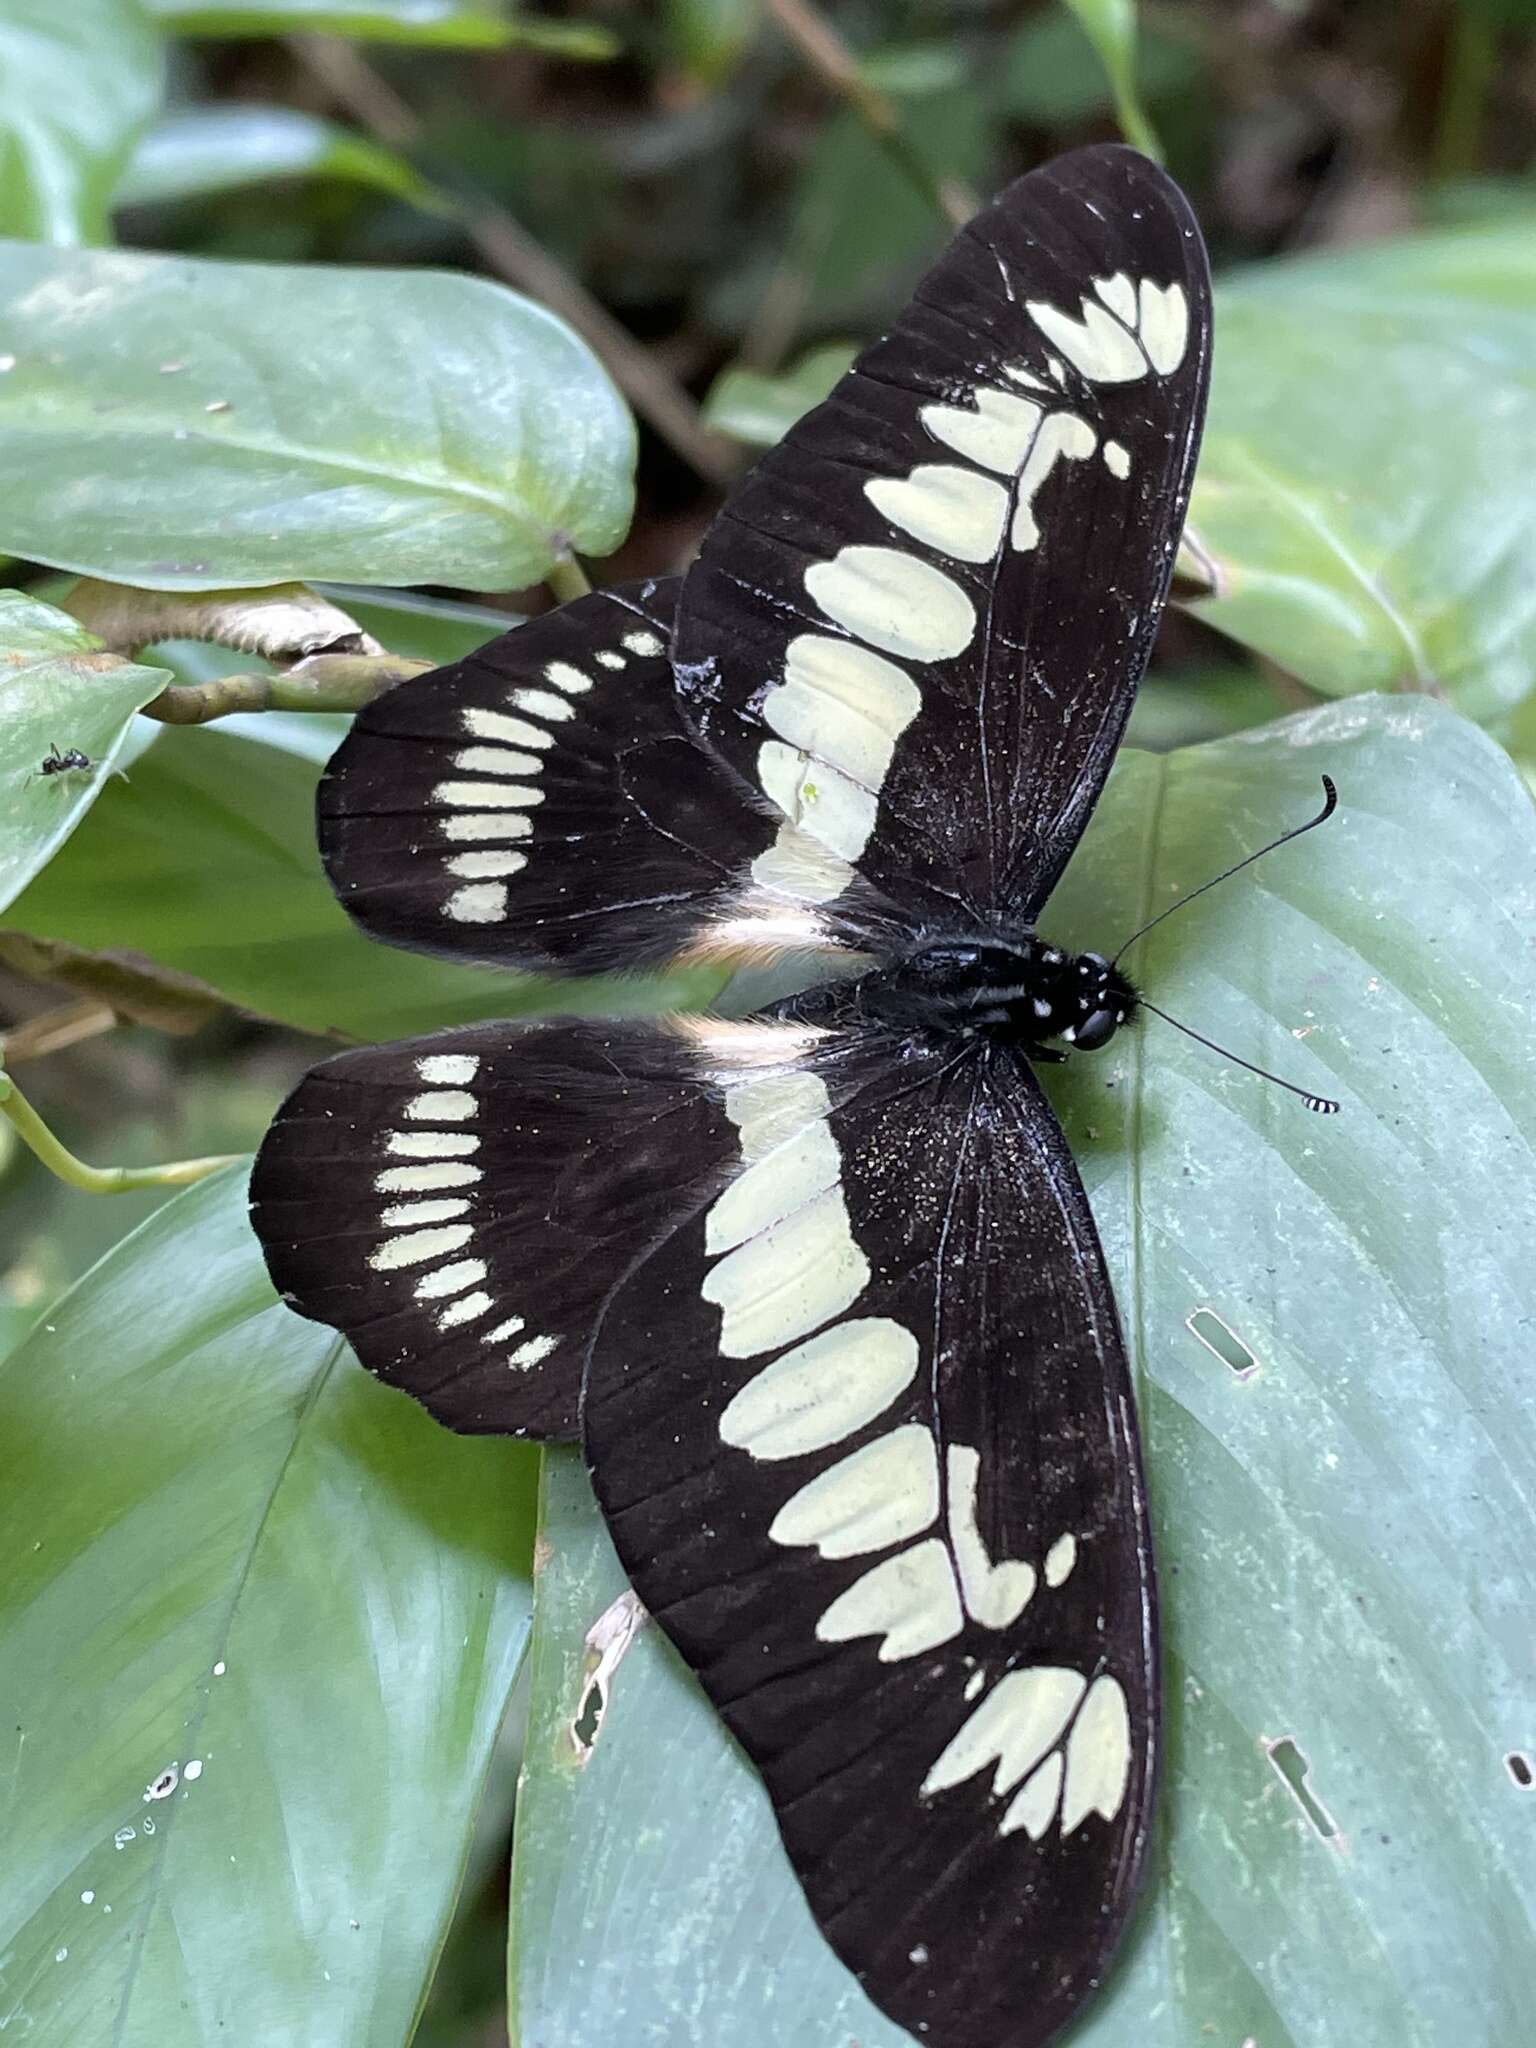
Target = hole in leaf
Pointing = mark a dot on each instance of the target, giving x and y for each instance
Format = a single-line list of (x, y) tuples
[(1213, 1333), (1518, 1764), (1293, 1767), (589, 1716)]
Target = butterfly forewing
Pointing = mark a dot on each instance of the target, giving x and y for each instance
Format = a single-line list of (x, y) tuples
[(862, 1431), (540, 802), (459, 1206), (919, 625)]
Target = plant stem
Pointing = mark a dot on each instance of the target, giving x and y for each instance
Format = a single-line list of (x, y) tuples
[(835, 64), (1470, 56), (326, 682), (97, 1180), (567, 579)]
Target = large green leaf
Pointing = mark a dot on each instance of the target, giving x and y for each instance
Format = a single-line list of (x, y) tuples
[(58, 694), (457, 24), (77, 83), (241, 1574), (189, 425), (1365, 482), (1343, 1517), (196, 151)]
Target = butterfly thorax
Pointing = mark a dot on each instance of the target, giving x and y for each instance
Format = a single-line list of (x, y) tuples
[(1020, 990)]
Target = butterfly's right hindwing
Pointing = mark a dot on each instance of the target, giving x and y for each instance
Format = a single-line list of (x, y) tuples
[(863, 1433)]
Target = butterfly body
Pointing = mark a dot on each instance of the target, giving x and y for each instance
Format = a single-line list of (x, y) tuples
[(819, 1292), (1022, 991)]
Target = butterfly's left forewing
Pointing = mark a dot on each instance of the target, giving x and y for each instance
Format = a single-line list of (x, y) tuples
[(862, 1430)]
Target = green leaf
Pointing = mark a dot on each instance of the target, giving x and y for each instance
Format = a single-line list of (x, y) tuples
[(709, 38), (1343, 1529), (1052, 73), (197, 151), (761, 410), (1110, 25), (182, 424), (1365, 482), (77, 83), (456, 24), (237, 1562), (57, 690)]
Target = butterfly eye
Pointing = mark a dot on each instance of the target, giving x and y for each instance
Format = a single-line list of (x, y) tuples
[(1097, 1030)]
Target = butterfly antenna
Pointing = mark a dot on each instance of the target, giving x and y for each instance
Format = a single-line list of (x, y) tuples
[(1330, 805), (1323, 1104)]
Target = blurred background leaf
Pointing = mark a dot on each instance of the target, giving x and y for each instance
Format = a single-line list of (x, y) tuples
[(78, 82)]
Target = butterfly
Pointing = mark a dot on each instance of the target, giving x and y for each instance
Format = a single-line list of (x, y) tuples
[(818, 1291)]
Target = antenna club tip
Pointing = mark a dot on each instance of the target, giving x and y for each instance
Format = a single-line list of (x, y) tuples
[(1331, 792), (1323, 1105)]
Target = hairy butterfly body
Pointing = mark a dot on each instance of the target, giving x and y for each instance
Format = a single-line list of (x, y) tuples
[(819, 1291)]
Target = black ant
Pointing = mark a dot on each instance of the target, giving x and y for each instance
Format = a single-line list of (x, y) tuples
[(71, 761)]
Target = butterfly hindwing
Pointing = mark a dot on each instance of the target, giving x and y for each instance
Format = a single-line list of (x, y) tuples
[(862, 1431), (919, 624), (540, 802), (460, 1205)]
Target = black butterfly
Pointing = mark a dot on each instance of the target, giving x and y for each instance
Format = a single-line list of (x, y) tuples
[(819, 1292)]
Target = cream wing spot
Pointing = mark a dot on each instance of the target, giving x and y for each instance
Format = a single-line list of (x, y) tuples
[(768, 1110), (416, 1247), (819, 799), (1034, 1808), (413, 1180), (432, 1144), (1164, 325), (543, 704), (1060, 1559), (503, 1331), (1064, 437), (1117, 459), (894, 601), (797, 867), (789, 1281), (446, 1280), (566, 678), (489, 866), (512, 732), (465, 1310), (948, 508), (644, 643), (793, 1174), (410, 1215), (448, 1069), (477, 903), (1019, 1720), (823, 1390), (883, 1493), (1119, 294), (495, 761), (997, 435), (842, 704), (994, 1594), (441, 1106), (534, 1352), (910, 1600), (488, 796), (1096, 344), (467, 827), (1098, 1756)]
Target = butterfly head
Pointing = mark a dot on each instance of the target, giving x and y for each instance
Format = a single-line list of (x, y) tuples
[(1096, 999)]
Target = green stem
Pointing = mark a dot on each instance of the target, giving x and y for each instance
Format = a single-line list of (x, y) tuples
[(326, 682), (1470, 60), (97, 1180), (567, 579)]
